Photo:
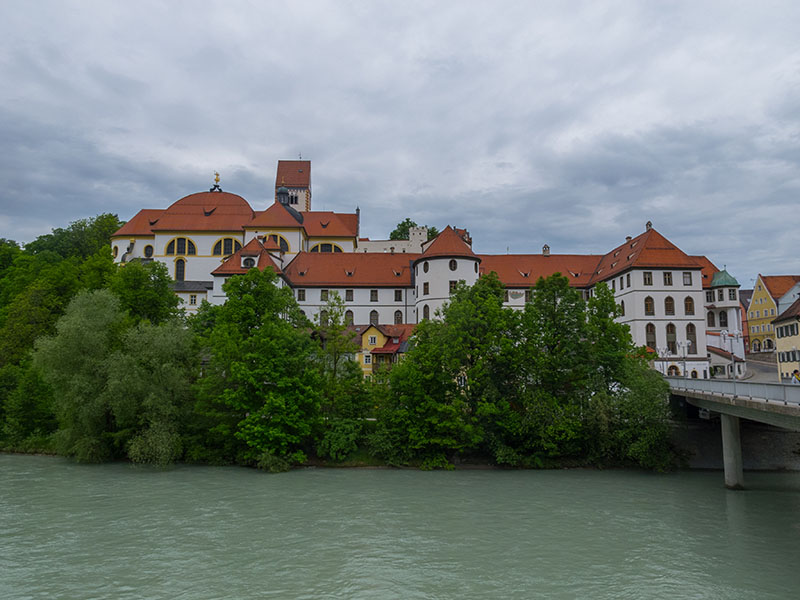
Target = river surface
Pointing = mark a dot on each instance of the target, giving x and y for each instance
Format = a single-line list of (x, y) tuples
[(116, 531)]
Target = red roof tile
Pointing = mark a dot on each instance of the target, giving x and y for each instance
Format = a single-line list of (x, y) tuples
[(141, 224), (206, 211), (233, 264), (350, 269), (778, 285), (276, 216), (293, 174), (448, 243), (329, 224), (523, 270), (708, 269)]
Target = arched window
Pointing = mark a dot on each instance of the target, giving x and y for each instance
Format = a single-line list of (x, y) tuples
[(398, 317), (723, 318), (348, 317), (711, 319), (673, 371), (323, 317), (327, 248), (148, 251), (669, 306), (282, 242), (249, 262), (756, 346), (425, 266), (373, 317), (649, 306), (180, 269), (691, 337), (671, 339), (453, 264), (650, 336), (688, 305), (426, 313), (115, 251), (694, 374), (622, 308), (226, 247), (767, 344), (181, 246)]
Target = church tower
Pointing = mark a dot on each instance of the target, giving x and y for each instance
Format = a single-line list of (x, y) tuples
[(295, 177)]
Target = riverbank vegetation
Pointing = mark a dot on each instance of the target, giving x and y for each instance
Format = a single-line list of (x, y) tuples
[(98, 362)]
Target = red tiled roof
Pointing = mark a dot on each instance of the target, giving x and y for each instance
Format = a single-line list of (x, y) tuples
[(708, 269), (233, 264), (329, 224), (448, 243), (276, 216), (650, 249), (778, 285), (793, 312), (350, 269), (399, 332), (723, 353), (293, 174), (523, 270), (141, 224), (206, 211)]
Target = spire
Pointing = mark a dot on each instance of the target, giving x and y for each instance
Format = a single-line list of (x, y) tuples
[(215, 187)]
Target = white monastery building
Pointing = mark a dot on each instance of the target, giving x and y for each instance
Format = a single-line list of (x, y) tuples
[(680, 306)]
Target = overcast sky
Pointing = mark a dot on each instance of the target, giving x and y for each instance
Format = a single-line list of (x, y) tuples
[(564, 123)]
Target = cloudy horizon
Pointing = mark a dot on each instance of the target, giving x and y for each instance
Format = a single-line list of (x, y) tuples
[(570, 124)]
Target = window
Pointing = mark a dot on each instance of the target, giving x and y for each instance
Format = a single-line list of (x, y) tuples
[(669, 306), (758, 314), (732, 294), (648, 277), (527, 296), (180, 269), (226, 246), (649, 306), (687, 278), (426, 313), (181, 246), (373, 340), (691, 337), (293, 198), (720, 295), (398, 317), (709, 296), (453, 264), (711, 320), (323, 317), (278, 239), (628, 280), (772, 312), (671, 338), (348, 295), (193, 299), (373, 317), (325, 248), (688, 305), (368, 359), (723, 318), (115, 252), (621, 285), (476, 267), (613, 285), (348, 317), (425, 289), (453, 285), (148, 251), (667, 277), (622, 308), (323, 295), (301, 295), (650, 336), (425, 266), (249, 262), (505, 296), (398, 295), (373, 295)]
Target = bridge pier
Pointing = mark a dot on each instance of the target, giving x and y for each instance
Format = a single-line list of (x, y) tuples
[(732, 452)]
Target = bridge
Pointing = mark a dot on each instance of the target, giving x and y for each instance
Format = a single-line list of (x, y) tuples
[(772, 403)]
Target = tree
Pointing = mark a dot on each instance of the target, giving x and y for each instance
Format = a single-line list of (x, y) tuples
[(260, 385), (401, 232), (144, 291), (81, 239)]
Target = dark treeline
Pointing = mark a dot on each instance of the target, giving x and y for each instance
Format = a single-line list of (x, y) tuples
[(98, 362)]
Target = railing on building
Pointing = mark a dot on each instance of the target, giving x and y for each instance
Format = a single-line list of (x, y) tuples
[(778, 393)]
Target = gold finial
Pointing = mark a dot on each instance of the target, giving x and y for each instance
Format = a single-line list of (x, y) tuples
[(216, 177)]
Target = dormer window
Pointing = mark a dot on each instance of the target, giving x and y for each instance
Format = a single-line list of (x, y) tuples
[(248, 262)]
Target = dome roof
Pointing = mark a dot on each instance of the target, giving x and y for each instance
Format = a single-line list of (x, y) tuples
[(206, 211), (723, 279)]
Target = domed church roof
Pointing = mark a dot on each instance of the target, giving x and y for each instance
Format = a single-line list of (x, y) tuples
[(206, 211)]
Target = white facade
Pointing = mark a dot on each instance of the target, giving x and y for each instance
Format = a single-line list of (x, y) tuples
[(417, 236)]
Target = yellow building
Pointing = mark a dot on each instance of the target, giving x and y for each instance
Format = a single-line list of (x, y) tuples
[(787, 333), (764, 309), (381, 346)]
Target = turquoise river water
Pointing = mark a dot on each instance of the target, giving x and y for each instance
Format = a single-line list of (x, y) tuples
[(115, 531)]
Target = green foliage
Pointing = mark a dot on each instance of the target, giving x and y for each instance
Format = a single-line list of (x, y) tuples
[(28, 406), (144, 291), (401, 232), (81, 239)]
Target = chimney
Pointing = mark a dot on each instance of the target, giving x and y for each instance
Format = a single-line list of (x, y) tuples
[(358, 222), (649, 225), (545, 250), (628, 238)]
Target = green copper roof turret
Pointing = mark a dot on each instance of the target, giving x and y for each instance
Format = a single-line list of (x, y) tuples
[(723, 279)]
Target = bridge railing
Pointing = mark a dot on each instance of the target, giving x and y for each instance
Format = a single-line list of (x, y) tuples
[(769, 392)]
